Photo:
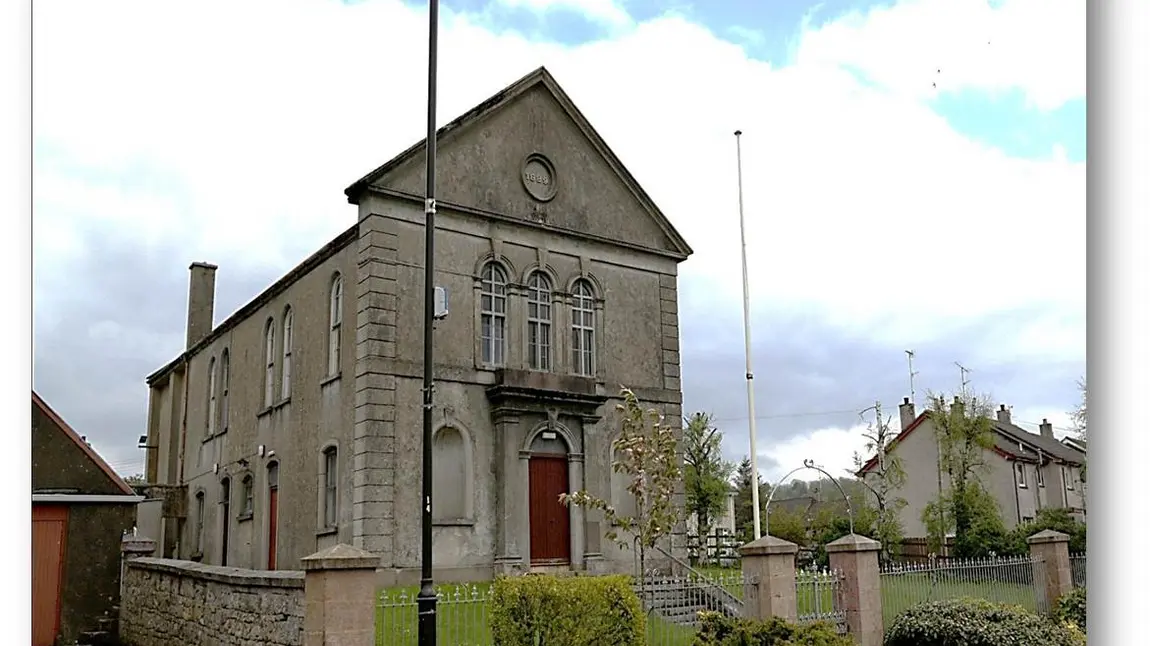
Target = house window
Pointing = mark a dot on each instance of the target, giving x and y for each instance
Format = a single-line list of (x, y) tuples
[(285, 382), (212, 397), (269, 362), (248, 505), (583, 329), (1020, 474), (335, 320), (539, 321), (198, 541), (225, 384), (1068, 478), (330, 488), (1038, 476), (493, 314)]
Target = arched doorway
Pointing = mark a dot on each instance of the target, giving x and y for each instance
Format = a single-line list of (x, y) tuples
[(548, 478), (273, 512)]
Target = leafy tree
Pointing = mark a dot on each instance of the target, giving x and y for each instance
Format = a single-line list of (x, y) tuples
[(1054, 518), (1078, 421), (985, 533), (883, 480), (135, 479), (744, 503), (707, 475), (647, 452), (788, 525), (964, 432)]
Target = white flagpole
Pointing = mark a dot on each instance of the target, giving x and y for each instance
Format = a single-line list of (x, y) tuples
[(747, 342)]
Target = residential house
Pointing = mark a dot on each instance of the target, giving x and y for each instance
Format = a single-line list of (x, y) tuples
[(295, 423), (1024, 471), (80, 510)]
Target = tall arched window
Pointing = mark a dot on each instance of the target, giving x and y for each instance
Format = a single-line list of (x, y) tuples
[(583, 329), (212, 397), (285, 381), (335, 319), (539, 321), (269, 362), (493, 314), (198, 539), (330, 487), (225, 384)]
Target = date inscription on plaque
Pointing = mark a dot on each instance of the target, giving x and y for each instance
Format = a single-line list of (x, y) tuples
[(538, 177)]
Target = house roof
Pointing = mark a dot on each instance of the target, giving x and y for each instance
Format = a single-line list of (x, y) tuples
[(1010, 441), (1075, 443), (79, 442), (538, 78)]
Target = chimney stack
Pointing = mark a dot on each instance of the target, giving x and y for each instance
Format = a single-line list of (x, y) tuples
[(957, 408), (1046, 429), (906, 413), (201, 301), (1003, 414)]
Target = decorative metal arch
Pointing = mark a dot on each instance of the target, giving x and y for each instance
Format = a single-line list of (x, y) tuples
[(810, 464)]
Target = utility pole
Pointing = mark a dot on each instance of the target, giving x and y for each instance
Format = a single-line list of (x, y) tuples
[(426, 600), (747, 343)]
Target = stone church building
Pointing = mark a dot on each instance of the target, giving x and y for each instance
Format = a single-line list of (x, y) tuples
[(295, 423)]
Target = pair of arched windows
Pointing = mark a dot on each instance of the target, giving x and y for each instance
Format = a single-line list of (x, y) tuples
[(540, 321), (270, 356), (219, 382)]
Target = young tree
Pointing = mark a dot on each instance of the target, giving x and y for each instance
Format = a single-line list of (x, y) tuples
[(647, 453), (883, 480), (964, 432), (706, 474), (744, 503), (1078, 419)]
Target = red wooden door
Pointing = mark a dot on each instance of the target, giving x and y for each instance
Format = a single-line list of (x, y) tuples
[(550, 524), (49, 529), (273, 517)]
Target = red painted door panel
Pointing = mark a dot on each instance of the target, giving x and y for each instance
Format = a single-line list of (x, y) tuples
[(49, 529), (273, 522), (550, 524)]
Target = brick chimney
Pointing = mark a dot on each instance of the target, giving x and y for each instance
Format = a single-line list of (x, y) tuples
[(1046, 429), (957, 408), (1003, 414), (201, 301), (906, 413)]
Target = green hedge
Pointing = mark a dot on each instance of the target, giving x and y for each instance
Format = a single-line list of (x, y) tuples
[(717, 630), (566, 611), (1071, 607), (976, 622)]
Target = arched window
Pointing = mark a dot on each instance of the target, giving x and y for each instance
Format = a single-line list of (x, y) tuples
[(330, 475), (225, 384), (451, 475), (493, 314), (583, 329), (248, 504), (198, 539), (335, 319), (539, 321), (285, 381), (211, 397), (269, 362)]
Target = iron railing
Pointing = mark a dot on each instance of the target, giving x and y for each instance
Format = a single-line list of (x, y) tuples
[(818, 596), (1010, 580), (461, 616), (1078, 570)]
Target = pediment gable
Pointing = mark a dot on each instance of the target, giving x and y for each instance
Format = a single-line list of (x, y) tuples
[(529, 154)]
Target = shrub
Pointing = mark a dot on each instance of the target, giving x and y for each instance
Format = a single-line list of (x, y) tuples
[(976, 622), (1071, 608), (718, 630), (566, 611)]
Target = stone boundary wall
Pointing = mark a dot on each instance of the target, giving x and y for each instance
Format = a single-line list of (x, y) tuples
[(166, 601)]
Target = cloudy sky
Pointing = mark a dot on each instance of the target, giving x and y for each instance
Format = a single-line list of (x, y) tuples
[(914, 179)]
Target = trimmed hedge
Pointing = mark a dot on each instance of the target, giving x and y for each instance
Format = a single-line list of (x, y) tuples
[(566, 611), (718, 630), (977, 622), (1071, 608)]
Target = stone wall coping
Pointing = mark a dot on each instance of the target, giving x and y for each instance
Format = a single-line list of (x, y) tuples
[(340, 557), (226, 575), (853, 543), (768, 545), (1048, 536)]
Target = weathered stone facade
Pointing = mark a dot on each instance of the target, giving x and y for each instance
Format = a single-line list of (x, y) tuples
[(167, 602)]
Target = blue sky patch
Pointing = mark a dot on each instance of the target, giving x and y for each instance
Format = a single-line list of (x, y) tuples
[(1004, 120)]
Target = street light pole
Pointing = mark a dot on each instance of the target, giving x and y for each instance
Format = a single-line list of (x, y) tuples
[(426, 599)]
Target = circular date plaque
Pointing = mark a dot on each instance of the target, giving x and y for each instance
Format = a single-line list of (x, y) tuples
[(538, 176)]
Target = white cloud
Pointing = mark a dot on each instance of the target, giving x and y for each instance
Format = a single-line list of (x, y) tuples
[(862, 204), (1038, 46), (832, 449), (603, 11)]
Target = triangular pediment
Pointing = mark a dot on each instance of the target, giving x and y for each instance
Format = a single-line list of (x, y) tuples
[(529, 154)]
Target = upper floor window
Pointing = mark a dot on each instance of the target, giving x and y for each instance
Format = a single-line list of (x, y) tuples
[(225, 384), (269, 362), (211, 396), (247, 505), (539, 321), (1038, 479), (335, 319), (1068, 478), (493, 314), (1020, 473), (582, 329), (285, 381)]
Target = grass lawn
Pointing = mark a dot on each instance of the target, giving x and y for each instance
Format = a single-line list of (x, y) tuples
[(902, 591)]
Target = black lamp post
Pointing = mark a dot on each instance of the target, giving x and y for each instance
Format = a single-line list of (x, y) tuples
[(426, 599)]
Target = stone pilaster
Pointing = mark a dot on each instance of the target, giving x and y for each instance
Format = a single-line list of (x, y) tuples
[(669, 326), (1052, 549), (856, 558), (511, 497), (373, 443), (770, 563)]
